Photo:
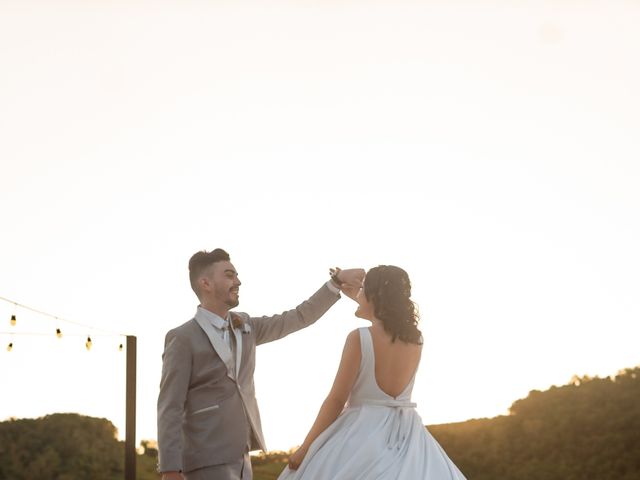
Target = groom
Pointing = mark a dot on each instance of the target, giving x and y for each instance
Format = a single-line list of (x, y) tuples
[(208, 417)]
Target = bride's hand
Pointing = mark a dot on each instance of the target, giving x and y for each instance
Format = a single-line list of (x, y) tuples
[(296, 459), (350, 280), (350, 290), (351, 276)]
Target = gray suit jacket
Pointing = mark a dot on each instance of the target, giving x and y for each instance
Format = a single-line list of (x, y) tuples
[(208, 415)]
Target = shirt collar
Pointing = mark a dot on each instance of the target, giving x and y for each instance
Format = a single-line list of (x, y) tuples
[(213, 318)]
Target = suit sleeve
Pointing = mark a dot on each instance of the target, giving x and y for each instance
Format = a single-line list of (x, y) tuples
[(268, 329), (174, 383)]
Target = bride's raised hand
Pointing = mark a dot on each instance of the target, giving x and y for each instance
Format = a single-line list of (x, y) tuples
[(350, 280), (350, 290), (352, 276)]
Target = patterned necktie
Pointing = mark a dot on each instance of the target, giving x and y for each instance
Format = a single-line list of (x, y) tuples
[(225, 335)]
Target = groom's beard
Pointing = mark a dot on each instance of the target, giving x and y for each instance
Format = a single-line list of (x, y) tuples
[(233, 300), (232, 303)]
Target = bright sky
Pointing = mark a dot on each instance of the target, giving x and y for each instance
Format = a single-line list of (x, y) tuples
[(491, 149)]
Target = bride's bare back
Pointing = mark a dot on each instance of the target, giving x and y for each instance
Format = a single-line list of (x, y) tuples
[(395, 363)]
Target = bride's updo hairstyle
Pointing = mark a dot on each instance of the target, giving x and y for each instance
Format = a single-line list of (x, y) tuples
[(389, 290)]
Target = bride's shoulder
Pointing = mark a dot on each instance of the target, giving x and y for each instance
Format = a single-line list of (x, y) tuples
[(352, 341), (353, 335)]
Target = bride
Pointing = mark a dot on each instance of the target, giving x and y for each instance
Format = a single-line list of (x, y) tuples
[(367, 427)]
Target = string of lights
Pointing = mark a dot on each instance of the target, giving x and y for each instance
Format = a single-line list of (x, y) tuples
[(95, 331)]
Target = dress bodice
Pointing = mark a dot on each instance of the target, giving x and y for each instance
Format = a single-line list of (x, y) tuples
[(365, 390)]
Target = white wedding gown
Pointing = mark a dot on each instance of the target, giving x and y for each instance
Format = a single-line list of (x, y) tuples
[(376, 437)]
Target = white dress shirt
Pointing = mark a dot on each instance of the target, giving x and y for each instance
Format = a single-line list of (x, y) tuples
[(333, 288), (224, 329)]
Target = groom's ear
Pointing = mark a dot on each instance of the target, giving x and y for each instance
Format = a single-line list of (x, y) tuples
[(203, 284)]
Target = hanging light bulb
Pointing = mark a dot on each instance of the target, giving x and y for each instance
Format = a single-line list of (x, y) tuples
[(120, 347), (13, 320), (10, 347), (87, 344), (58, 333)]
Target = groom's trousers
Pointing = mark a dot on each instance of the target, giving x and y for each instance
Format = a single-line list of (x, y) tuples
[(240, 470)]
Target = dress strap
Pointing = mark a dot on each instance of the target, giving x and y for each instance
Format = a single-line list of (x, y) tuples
[(366, 343), (367, 365)]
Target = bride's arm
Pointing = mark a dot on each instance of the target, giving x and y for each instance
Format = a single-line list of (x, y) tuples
[(335, 401)]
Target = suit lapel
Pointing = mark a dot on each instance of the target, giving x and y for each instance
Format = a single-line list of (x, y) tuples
[(218, 345)]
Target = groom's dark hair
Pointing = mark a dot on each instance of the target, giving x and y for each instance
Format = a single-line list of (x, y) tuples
[(201, 260)]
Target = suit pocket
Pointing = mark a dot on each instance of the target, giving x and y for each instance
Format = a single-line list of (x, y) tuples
[(206, 409)]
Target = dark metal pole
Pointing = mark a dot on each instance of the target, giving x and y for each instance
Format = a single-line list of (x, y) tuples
[(130, 428)]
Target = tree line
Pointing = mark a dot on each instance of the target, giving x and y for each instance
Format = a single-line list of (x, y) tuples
[(586, 430)]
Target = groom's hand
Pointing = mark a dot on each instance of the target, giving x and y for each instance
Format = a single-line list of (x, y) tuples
[(350, 280)]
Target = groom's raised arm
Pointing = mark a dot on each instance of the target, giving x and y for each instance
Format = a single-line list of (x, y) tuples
[(270, 328)]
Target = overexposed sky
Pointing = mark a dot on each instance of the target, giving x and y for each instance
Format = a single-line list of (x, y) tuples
[(491, 149)]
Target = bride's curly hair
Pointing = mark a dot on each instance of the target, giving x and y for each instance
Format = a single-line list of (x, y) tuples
[(389, 290)]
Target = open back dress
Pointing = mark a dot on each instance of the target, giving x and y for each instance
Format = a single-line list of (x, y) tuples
[(376, 437)]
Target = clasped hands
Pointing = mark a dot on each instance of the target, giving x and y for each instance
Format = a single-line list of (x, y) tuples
[(351, 280)]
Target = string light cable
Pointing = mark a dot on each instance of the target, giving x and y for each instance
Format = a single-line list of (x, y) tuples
[(95, 331)]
